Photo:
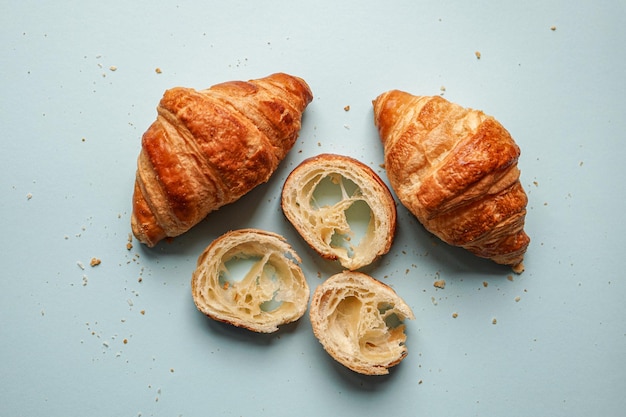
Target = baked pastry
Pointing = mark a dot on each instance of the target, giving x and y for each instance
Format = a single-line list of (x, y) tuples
[(208, 148), (358, 321), (250, 278), (341, 208), (456, 170)]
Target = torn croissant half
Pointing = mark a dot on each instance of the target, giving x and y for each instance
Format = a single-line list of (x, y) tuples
[(341, 208), (250, 278), (208, 148), (456, 170), (359, 322)]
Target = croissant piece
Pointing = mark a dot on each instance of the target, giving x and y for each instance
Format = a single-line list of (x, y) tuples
[(456, 170), (208, 148), (358, 321), (250, 278), (341, 208)]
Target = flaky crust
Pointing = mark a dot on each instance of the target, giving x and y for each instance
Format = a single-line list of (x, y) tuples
[(271, 290), (208, 148), (325, 225), (358, 321), (456, 170)]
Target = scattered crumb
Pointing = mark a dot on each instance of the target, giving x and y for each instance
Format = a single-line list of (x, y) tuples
[(125, 341), (536, 183), (172, 370), (552, 28), (95, 262), (440, 283), (494, 321), (129, 246), (85, 280), (517, 299), (347, 108), (143, 312), (519, 268), (80, 265), (113, 68), (478, 54), (29, 196), (509, 277), (485, 284), (433, 300), (158, 70), (455, 315)]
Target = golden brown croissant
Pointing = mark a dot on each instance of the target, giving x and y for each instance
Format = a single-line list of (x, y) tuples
[(208, 148), (456, 170)]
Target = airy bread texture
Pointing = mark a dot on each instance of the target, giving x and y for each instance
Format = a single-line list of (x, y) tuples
[(208, 148), (324, 194), (456, 170), (271, 291), (358, 321)]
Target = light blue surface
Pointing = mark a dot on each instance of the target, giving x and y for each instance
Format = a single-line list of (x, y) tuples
[(71, 135)]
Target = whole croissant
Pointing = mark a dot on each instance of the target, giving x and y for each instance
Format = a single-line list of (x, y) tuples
[(208, 148), (456, 170)]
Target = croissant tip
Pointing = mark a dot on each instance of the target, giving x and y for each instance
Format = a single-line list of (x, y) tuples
[(518, 268)]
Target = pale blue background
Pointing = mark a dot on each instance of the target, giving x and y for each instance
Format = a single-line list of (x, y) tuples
[(71, 132)]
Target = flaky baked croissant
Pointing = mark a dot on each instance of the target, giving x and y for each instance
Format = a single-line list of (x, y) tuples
[(456, 170), (341, 208), (208, 148), (250, 278), (359, 322)]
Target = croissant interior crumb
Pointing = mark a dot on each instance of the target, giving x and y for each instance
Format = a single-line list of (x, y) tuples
[(340, 212)]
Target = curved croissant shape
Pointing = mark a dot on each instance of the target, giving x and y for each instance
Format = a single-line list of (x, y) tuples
[(358, 321), (456, 170), (341, 208), (208, 148), (250, 278)]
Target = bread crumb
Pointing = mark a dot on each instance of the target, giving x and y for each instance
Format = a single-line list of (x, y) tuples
[(95, 262), (478, 54), (485, 284), (113, 68), (158, 70), (494, 321), (455, 315), (509, 277), (143, 312), (125, 341), (80, 265), (129, 246), (519, 268), (29, 196), (440, 283), (552, 28), (517, 299), (347, 108)]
